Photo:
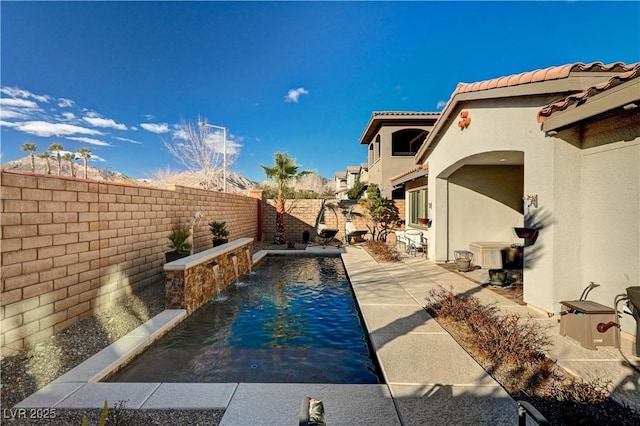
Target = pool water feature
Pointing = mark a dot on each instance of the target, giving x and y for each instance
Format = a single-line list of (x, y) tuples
[(293, 319)]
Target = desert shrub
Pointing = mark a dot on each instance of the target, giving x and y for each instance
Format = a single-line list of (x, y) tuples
[(512, 349), (382, 252)]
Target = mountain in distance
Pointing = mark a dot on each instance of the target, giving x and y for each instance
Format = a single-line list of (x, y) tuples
[(93, 173), (236, 183)]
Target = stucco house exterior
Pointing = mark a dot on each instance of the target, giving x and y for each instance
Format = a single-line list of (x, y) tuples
[(393, 139), (346, 180), (341, 185), (557, 150)]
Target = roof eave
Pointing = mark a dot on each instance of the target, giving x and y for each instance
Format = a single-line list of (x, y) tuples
[(616, 97), (401, 181), (378, 119)]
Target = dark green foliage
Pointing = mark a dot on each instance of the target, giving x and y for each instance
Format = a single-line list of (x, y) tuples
[(383, 213), (218, 230), (178, 240), (357, 190)]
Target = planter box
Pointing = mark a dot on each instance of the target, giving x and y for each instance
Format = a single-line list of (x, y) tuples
[(488, 255), (170, 256)]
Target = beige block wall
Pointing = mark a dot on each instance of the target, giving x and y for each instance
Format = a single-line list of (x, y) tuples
[(71, 247), (301, 216)]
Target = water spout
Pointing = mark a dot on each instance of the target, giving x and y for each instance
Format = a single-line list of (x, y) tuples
[(234, 260), (215, 270), (249, 258)]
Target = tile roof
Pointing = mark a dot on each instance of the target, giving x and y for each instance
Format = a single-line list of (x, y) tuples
[(396, 118), (341, 175), (536, 76), (405, 113), (353, 169), (564, 103), (417, 168), (551, 73)]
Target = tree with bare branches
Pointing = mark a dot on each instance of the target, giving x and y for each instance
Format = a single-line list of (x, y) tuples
[(200, 148)]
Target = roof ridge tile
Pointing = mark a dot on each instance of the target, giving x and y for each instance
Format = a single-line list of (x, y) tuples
[(543, 74)]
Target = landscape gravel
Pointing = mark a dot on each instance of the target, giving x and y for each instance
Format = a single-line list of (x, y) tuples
[(31, 369)]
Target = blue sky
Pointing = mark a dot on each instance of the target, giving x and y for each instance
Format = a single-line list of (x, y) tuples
[(300, 77)]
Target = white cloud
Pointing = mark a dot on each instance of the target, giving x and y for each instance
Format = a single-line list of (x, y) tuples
[(69, 116), (155, 128), (90, 141), (10, 113), (441, 104), (294, 94), (128, 140), (6, 123), (103, 122), (44, 129), (18, 103), (14, 92), (65, 103)]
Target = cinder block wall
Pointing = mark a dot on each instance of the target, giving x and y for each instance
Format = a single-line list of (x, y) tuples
[(301, 216), (71, 247)]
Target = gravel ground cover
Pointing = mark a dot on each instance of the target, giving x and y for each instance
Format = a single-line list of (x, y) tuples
[(27, 371)]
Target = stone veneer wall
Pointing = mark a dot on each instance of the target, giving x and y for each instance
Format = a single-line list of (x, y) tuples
[(301, 216), (71, 247), (191, 281)]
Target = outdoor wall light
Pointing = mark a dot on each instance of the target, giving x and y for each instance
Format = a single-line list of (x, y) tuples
[(532, 199)]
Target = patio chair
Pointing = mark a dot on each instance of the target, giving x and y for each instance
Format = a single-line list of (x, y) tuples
[(325, 233), (413, 241)]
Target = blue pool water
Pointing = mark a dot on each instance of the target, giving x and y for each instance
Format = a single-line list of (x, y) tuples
[(292, 320)]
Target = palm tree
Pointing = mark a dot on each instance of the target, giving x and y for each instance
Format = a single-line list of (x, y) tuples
[(31, 149), (56, 147), (70, 157), (283, 171), (46, 157), (85, 154)]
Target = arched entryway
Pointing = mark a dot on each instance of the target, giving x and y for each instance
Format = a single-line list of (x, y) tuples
[(480, 203)]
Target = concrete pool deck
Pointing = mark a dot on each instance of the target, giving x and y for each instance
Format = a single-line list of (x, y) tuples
[(429, 378)]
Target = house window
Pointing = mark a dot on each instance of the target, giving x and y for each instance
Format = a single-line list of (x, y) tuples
[(407, 142), (418, 200)]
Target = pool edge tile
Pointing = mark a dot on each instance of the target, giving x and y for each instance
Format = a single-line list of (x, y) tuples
[(191, 396), (50, 395)]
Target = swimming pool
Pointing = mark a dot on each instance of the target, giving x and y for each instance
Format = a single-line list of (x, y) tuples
[(292, 320)]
